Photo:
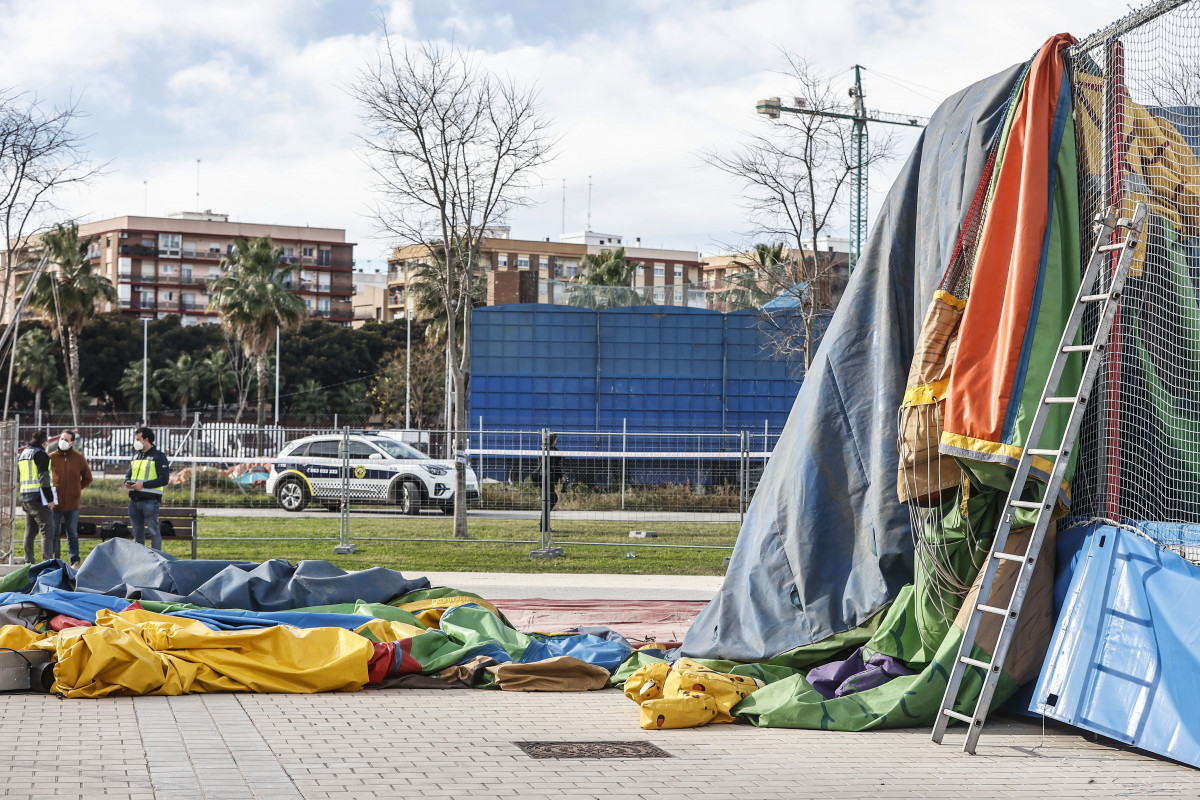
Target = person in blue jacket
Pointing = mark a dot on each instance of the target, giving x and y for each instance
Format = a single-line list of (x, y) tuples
[(148, 473)]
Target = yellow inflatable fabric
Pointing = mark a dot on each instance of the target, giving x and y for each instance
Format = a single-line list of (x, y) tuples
[(686, 694), (18, 637), (430, 610), (139, 652), (384, 630)]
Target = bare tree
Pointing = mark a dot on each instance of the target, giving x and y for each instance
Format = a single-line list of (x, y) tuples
[(40, 155), (454, 149), (795, 175)]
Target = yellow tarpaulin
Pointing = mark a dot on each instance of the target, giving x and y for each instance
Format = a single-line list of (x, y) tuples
[(139, 652)]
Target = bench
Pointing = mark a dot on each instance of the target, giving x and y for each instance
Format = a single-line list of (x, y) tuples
[(173, 523)]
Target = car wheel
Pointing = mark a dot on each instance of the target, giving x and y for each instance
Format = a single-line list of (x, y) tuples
[(292, 495), (410, 498)]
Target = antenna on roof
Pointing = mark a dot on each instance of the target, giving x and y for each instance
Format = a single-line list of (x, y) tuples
[(197, 185)]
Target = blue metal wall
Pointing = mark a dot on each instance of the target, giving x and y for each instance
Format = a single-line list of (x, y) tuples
[(659, 368)]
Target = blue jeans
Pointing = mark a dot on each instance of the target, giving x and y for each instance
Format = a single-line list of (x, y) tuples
[(144, 514), (71, 518)]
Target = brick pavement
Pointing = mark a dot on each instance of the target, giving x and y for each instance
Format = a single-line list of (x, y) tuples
[(460, 744)]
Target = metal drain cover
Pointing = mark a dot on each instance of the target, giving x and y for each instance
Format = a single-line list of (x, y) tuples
[(592, 750)]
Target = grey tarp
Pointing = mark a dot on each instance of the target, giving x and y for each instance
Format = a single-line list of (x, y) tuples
[(121, 568), (826, 543)]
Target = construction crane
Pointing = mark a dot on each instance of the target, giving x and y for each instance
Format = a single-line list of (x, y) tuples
[(859, 115)]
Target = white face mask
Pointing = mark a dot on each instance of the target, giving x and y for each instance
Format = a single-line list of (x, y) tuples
[(63, 444), (140, 446)]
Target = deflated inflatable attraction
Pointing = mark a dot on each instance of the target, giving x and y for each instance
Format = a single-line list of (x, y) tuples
[(846, 600)]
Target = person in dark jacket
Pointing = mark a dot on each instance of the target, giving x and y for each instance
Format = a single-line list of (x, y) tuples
[(38, 497), (148, 473)]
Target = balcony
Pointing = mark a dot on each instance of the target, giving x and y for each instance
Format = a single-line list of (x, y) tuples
[(139, 250), (192, 279), (172, 278), (213, 254), (341, 263)]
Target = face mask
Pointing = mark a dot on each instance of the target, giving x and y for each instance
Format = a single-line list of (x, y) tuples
[(140, 446), (63, 444)]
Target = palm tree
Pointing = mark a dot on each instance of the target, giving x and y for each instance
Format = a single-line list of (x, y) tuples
[(755, 280), (610, 270), (35, 365), (67, 296), (253, 303), (184, 379), (130, 387), (426, 285), (312, 402), (218, 374)]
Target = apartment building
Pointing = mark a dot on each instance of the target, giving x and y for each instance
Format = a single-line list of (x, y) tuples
[(719, 270), (165, 265), (370, 296), (668, 277)]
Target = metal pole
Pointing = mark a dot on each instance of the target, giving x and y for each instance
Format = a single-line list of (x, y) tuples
[(195, 453), (407, 360), (145, 367), (624, 446), (12, 360), (276, 376), (345, 546), (479, 460)]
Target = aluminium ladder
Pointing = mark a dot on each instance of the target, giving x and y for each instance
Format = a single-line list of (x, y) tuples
[(1106, 248)]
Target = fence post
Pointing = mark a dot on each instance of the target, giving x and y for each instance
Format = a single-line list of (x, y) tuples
[(344, 545), (547, 550), (624, 445), (479, 462), (743, 474), (195, 455)]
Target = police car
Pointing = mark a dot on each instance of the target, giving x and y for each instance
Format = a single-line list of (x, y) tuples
[(382, 470)]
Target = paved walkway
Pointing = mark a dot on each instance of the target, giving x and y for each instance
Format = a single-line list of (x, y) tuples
[(461, 744)]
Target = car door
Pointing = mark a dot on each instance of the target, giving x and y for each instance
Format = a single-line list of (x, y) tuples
[(368, 478), (322, 465)]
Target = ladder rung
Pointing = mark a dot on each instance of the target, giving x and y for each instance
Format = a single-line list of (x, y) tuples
[(1033, 451), (1031, 504), (1000, 612), (1108, 248), (1008, 557), (974, 662), (949, 712), (1080, 348), (1062, 400), (1093, 298), (1123, 222)]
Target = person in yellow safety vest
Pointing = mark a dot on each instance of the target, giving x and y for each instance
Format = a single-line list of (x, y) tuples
[(38, 496), (148, 473)]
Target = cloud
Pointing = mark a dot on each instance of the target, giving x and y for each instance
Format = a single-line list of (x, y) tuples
[(257, 91)]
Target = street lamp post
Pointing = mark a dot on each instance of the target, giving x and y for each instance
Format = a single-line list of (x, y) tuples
[(145, 367), (276, 376)]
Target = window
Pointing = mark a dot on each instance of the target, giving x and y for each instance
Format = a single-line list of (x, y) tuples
[(558, 267), (189, 301), (323, 305), (307, 252), (214, 248), (678, 271), (361, 451), (323, 282), (168, 297), (522, 262), (124, 267), (660, 270), (659, 295), (230, 249), (169, 244), (147, 243), (189, 249), (572, 269), (502, 260), (325, 257), (678, 296), (326, 448), (169, 269)]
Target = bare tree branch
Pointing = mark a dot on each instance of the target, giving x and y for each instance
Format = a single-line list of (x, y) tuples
[(454, 149), (795, 175)]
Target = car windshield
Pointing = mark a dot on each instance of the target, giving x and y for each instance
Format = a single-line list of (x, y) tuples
[(397, 449)]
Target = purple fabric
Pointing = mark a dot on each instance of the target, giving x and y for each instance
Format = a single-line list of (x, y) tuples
[(840, 678)]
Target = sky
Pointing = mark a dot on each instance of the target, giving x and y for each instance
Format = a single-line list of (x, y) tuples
[(257, 91)]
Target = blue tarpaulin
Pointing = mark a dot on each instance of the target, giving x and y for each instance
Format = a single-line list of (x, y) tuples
[(826, 543), (1125, 658), (125, 569)]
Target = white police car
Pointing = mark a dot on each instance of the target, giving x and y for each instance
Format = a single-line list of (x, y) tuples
[(382, 470)]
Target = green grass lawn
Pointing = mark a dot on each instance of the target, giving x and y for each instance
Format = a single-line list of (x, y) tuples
[(235, 538)]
